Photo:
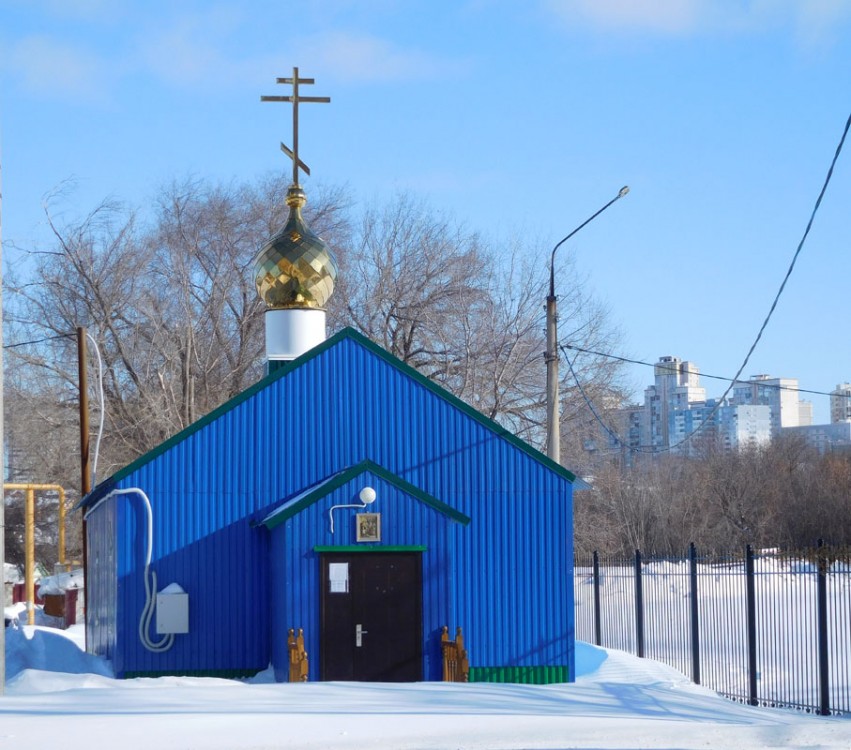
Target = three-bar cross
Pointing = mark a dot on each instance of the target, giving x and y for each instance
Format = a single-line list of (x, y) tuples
[(296, 99)]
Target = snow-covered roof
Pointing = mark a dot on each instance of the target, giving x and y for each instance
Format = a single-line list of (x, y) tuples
[(61, 582), (12, 574)]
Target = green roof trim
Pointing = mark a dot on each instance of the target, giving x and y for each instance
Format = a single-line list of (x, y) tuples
[(284, 370), (335, 481), (459, 404), (371, 547)]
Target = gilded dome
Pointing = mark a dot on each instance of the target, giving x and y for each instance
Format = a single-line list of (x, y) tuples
[(295, 268)]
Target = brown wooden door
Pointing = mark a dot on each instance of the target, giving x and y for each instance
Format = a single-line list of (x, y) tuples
[(371, 611)]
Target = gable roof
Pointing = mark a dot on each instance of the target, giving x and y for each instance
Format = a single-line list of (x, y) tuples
[(314, 494), (283, 371)]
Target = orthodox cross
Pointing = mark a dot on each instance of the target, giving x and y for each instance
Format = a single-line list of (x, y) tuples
[(296, 99)]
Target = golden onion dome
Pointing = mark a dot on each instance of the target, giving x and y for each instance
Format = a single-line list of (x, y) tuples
[(295, 268)]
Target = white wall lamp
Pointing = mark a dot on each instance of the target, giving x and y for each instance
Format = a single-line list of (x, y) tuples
[(367, 498)]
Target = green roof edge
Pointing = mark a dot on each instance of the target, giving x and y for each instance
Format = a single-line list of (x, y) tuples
[(345, 333), (350, 473), (226, 407), (460, 404), (370, 547)]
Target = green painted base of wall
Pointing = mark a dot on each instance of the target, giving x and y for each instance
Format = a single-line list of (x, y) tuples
[(522, 675), (228, 674)]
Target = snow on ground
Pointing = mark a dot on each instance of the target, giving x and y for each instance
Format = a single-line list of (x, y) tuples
[(59, 697)]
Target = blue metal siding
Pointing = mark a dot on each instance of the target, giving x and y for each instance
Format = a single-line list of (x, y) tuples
[(222, 566), (404, 522), (504, 578), (102, 587)]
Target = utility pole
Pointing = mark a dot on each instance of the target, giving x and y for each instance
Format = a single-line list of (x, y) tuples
[(85, 461), (551, 355)]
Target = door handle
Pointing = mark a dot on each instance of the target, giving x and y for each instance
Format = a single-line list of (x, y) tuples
[(359, 633)]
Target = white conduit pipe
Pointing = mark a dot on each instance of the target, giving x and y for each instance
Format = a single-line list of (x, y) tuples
[(367, 498), (102, 409), (167, 641)]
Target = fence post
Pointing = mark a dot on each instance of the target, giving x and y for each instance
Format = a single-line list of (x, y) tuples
[(750, 588), (823, 657), (597, 626), (695, 613), (639, 606)]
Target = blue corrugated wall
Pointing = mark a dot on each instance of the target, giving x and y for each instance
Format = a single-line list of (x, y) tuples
[(505, 578), (102, 586), (405, 521)]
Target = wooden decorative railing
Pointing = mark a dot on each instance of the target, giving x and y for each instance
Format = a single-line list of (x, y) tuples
[(298, 656), (456, 667)]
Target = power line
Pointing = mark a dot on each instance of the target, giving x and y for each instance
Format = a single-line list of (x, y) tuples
[(612, 434), (38, 341), (794, 257), (760, 383), (736, 378), (618, 439)]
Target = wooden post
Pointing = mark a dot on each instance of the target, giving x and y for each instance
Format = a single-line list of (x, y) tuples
[(456, 666), (298, 656), (85, 464)]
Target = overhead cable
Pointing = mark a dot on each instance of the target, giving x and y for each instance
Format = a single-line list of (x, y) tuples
[(762, 384), (736, 378), (38, 341)]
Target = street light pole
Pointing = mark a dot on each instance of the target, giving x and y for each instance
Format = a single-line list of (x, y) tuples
[(551, 356)]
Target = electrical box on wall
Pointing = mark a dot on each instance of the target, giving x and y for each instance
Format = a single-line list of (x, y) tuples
[(172, 610)]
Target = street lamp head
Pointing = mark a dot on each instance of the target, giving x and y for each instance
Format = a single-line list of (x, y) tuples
[(551, 356)]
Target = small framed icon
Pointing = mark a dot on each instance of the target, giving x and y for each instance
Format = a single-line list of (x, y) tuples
[(368, 527)]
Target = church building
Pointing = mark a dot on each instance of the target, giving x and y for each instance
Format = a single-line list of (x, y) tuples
[(345, 495)]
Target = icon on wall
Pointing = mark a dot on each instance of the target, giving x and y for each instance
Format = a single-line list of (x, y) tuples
[(369, 527)]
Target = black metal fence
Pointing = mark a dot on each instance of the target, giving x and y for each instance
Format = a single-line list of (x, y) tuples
[(765, 628)]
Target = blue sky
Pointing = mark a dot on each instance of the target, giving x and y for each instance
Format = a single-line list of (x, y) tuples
[(519, 118)]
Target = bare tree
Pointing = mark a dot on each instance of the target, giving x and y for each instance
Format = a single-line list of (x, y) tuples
[(40, 425), (501, 370), (409, 281), (783, 494), (469, 315), (171, 306), (171, 303)]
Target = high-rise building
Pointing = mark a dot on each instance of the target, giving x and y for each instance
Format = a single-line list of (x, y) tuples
[(779, 394), (743, 426), (676, 386), (676, 406), (840, 403), (825, 438), (729, 427), (806, 413), (632, 426)]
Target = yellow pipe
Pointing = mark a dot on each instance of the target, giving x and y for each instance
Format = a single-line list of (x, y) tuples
[(48, 488), (29, 531), (62, 527), (30, 555)]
